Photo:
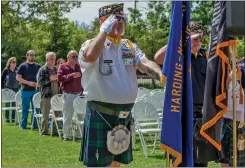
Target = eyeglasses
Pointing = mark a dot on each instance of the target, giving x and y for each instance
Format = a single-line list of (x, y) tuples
[(75, 56), (120, 18), (32, 55)]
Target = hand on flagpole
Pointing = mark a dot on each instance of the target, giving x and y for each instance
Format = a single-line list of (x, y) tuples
[(163, 79)]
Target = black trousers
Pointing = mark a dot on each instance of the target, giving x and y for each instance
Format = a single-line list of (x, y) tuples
[(201, 164), (197, 163)]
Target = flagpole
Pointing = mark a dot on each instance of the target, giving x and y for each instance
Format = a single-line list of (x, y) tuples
[(168, 159), (233, 53)]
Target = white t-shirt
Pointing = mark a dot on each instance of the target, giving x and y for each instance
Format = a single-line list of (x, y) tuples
[(239, 107), (112, 77)]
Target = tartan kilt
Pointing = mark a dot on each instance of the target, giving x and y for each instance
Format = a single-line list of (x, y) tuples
[(94, 141), (227, 146)]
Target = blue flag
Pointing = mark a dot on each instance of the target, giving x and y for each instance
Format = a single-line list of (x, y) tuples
[(177, 123)]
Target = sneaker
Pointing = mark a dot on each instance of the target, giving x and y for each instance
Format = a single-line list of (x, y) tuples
[(67, 139), (45, 133), (78, 138)]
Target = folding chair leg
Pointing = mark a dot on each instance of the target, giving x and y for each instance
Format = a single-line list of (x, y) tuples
[(3, 117), (38, 126), (143, 144), (154, 145), (57, 127), (32, 123), (80, 130), (73, 131), (16, 117), (51, 132)]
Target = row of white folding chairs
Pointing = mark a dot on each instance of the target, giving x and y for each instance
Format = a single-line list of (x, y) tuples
[(9, 96), (145, 114), (56, 102)]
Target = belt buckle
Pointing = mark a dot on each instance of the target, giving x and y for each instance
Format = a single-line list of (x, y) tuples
[(123, 114)]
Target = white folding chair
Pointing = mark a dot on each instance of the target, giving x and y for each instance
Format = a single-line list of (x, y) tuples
[(18, 101), (79, 105), (145, 111), (56, 105), (142, 91), (8, 96), (36, 105)]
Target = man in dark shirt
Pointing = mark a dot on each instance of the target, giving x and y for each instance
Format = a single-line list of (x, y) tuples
[(69, 76), (26, 75), (198, 75), (48, 82)]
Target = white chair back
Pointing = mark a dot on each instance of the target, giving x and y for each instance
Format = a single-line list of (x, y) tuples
[(160, 96), (57, 102), (18, 98), (154, 100), (8, 96), (144, 110), (36, 100), (156, 90), (142, 91), (79, 105)]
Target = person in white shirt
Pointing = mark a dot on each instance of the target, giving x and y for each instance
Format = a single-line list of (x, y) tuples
[(109, 79)]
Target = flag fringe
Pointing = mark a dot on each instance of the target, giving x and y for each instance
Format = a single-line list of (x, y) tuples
[(221, 97)]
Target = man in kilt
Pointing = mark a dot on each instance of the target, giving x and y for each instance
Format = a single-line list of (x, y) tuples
[(109, 79)]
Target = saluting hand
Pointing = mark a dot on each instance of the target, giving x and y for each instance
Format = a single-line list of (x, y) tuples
[(108, 24)]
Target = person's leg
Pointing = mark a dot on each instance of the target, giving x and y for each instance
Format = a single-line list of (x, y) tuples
[(45, 108), (94, 152), (26, 99), (13, 113), (7, 113), (67, 115)]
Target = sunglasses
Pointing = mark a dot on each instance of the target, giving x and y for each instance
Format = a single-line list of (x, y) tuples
[(75, 56), (120, 18), (13, 62)]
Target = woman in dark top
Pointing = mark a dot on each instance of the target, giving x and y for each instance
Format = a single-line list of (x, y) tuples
[(9, 82), (60, 62)]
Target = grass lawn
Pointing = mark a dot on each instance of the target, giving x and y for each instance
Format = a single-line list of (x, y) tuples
[(25, 148)]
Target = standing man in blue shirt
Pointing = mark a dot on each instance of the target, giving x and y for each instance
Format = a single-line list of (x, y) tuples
[(26, 75)]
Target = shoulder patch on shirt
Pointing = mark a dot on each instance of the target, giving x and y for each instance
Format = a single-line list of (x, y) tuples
[(128, 50)]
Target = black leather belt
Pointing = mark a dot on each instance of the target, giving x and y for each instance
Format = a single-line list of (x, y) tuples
[(197, 111)]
